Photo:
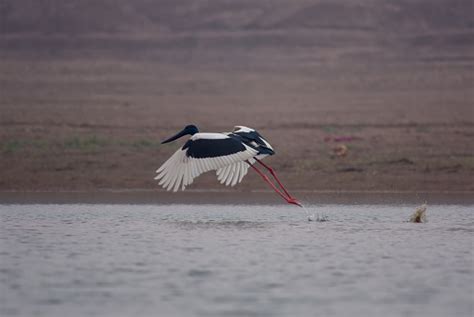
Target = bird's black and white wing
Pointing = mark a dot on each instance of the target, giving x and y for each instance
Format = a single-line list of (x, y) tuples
[(232, 174), (205, 152)]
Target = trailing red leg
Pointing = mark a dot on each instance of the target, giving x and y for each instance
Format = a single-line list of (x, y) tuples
[(272, 171), (286, 197)]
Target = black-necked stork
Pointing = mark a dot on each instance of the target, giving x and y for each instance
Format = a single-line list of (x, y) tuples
[(229, 153)]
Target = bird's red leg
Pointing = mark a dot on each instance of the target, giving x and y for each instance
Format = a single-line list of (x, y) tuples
[(266, 179), (272, 171), (288, 199)]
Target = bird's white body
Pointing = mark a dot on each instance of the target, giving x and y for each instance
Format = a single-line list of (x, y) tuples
[(231, 163)]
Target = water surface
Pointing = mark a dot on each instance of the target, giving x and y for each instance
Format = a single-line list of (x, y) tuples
[(222, 260)]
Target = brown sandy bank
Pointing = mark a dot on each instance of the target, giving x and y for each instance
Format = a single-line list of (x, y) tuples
[(84, 103), (65, 127)]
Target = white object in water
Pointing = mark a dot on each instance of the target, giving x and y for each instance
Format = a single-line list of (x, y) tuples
[(419, 215)]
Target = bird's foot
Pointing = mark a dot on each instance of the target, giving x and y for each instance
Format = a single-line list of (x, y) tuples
[(293, 201)]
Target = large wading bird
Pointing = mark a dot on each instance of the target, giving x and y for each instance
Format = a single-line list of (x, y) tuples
[(229, 153)]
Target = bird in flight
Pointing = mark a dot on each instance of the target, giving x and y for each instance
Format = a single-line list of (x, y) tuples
[(230, 154)]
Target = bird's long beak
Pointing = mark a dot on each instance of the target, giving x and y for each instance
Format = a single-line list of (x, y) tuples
[(174, 137)]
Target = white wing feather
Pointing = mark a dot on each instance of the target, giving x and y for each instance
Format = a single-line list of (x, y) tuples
[(180, 170), (232, 174)]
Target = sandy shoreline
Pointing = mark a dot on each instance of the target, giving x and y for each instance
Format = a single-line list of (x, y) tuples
[(228, 197)]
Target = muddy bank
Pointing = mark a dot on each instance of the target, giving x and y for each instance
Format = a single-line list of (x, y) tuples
[(95, 120), (226, 197)]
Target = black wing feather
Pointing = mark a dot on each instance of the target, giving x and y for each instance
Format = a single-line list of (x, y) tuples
[(202, 148)]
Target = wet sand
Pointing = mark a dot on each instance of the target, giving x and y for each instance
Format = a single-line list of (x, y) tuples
[(223, 197)]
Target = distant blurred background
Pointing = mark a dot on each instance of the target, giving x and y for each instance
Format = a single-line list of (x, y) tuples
[(353, 94)]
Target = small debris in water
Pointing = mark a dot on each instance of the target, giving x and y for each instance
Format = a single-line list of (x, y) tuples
[(318, 218), (419, 216), (322, 218)]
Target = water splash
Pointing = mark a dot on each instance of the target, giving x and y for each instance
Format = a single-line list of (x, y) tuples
[(314, 217), (419, 216)]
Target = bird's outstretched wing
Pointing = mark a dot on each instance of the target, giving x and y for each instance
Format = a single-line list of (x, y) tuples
[(205, 152), (233, 174)]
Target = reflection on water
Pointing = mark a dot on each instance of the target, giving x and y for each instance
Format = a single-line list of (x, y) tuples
[(223, 224), (219, 260)]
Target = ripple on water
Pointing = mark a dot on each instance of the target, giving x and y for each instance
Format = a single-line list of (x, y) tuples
[(199, 273), (216, 224), (461, 229)]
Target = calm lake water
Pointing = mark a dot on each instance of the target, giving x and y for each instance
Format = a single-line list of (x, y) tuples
[(223, 260)]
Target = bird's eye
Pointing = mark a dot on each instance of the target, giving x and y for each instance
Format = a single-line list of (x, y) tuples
[(253, 143)]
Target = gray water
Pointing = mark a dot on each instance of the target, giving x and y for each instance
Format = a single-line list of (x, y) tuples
[(222, 260)]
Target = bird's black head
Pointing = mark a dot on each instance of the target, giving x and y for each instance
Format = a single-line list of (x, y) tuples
[(188, 130), (191, 129)]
